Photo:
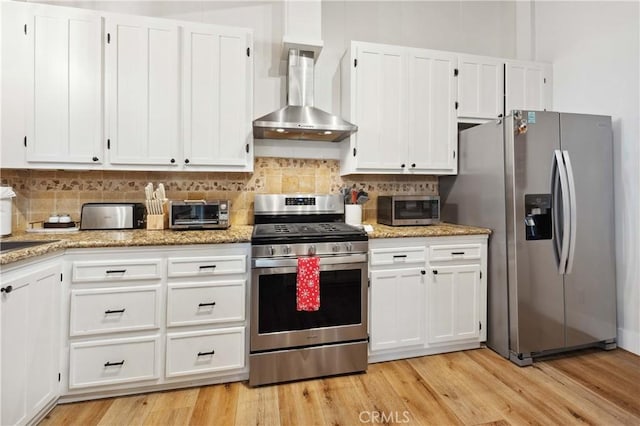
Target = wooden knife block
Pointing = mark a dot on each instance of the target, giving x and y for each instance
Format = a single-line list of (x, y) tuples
[(157, 221)]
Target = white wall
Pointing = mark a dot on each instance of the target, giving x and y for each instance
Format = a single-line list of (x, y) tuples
[(595, 50)]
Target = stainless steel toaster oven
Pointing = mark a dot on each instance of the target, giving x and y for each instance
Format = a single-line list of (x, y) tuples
[(199, 214), (401, 210)]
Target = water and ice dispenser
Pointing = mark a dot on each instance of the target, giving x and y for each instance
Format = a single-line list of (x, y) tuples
[(537, 220)]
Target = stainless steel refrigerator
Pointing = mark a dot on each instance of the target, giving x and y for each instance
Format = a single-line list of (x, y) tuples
[(543, 182)]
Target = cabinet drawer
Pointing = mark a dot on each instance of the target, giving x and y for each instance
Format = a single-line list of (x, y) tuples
[(108, 310), (454, 252), (204, 266), (115, 361), (397, 256), (203, 303), (207, 351), (119, 270)]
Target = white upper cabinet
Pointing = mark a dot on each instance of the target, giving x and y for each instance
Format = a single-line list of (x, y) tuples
[(480, 87), (142, 87), (403, 102), (379, 107), (432, 131), (64, 86), (217, 97), (527, 85)]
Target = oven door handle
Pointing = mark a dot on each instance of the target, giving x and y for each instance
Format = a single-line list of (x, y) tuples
[(280, 262)]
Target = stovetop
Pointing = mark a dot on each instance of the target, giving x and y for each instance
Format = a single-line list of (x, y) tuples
[(267, 230), (290, 233)]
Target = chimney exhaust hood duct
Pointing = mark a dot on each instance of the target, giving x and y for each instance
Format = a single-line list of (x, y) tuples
[(300, 119)]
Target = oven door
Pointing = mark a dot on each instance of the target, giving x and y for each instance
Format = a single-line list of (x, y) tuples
[(342, 317)]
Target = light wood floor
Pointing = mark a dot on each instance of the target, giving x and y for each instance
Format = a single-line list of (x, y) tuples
[(471, 387)]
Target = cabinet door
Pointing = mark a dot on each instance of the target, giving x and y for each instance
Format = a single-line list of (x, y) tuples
[(396, 308), (15, 316), (526, 86), (64, 86), (380, 107), (432, 138), (480, 86), (453, 303), (142, 90), (14, 47), (30, 344), (218, 96)]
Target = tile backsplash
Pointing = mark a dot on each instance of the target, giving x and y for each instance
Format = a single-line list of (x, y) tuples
[(42, 192)]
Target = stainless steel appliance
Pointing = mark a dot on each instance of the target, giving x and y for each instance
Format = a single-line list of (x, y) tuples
[(287, 344), (104, 216), (300, 119), (402, 210), (199, 214), (543, 182)]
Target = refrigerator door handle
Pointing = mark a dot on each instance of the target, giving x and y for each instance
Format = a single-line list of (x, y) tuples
[(573, 212), (559, 174)]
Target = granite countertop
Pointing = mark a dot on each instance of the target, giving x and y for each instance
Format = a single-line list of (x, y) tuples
[(440, 230), (128, 238), (235, 234)]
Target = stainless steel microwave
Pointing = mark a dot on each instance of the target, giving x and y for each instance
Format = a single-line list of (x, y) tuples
[(199, 214), (402, 210)]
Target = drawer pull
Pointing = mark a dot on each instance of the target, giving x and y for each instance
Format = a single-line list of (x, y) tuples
[(435, 272), (206, 304), (207, 266), (423, 272), (206, 353), (116, 271), (114, 311), (399, 256), (8, 289), (112, 364), (457, 253)]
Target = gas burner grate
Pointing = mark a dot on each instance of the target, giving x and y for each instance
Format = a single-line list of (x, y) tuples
[(328, 227), (281, 229)]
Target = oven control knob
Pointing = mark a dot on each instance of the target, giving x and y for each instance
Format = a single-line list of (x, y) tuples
[(312, 250), (271, 250), (286, 249), (348, 247)]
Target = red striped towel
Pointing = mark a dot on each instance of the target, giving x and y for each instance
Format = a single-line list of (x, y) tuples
[(308, 284)]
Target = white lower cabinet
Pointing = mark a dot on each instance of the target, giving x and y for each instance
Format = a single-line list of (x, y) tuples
[(30, 340), (113, 361), (143, 319), (427, 295), (96, 311), (205, 303), (198, 352), (396, 298), (453, 303)]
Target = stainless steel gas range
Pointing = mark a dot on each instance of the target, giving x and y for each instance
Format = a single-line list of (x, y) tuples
[(287, 344)]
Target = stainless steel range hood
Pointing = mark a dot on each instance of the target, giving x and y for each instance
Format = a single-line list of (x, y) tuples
[(300, 119)]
